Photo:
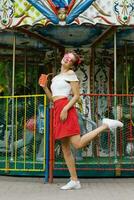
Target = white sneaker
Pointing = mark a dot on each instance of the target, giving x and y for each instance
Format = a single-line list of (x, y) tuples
[(71, 185), (112, 124)]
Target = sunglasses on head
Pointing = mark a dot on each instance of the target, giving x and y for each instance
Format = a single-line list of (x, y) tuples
[(68, 58)]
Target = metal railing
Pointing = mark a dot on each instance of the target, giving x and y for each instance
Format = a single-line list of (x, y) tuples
[(23, 133), (112, 149), (26, 127)]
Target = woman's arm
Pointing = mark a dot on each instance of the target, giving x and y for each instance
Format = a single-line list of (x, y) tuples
[(76, 95), (48, 93)]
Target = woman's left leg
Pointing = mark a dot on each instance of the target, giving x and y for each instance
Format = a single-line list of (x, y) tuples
[(73, 183), (69, 159)]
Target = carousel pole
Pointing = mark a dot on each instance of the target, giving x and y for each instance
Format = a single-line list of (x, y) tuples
[(25, 66), (126, 70), (14, 52), (13, 78), (115, 90)]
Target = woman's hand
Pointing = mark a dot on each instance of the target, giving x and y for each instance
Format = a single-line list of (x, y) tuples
[(43, 80), (75, 92), (63, 115), (43, 83)]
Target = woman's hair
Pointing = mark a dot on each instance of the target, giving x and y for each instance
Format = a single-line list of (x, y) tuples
[(77, 59)]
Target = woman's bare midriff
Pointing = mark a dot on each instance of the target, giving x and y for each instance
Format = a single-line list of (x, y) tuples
[(58, 97)]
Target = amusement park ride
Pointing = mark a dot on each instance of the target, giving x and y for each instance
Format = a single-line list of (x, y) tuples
[(33, 33)]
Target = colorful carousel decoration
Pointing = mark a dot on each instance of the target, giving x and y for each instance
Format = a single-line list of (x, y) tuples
[(15, 13)]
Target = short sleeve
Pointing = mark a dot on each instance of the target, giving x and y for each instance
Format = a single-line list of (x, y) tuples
[(71, 76)]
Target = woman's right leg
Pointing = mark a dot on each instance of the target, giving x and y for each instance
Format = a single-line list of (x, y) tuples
[(80, 142)]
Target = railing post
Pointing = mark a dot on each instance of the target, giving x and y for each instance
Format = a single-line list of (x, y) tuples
[(47, 144), (115, 91), (51, 159), (13, 77)]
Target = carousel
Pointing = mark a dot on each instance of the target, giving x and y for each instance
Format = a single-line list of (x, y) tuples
[(33, 37)]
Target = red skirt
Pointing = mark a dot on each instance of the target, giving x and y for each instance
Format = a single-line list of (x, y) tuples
[(70, 126)]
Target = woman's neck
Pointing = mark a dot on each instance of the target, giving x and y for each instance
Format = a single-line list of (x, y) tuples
[(63, 70)]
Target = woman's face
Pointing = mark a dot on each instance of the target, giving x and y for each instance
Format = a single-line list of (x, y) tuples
[(68, 60)]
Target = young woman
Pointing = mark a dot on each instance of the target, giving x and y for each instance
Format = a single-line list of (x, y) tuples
[(66, 126)]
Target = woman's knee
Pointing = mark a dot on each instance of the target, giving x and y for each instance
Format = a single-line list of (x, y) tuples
[(77, 145), (76, 142), (66, 152), (66, 147)]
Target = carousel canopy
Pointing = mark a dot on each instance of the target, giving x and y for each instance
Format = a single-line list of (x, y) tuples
[(66, 22), (15, 13)]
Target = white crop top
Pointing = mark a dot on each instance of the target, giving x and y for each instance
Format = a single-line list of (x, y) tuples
[(60, 84)]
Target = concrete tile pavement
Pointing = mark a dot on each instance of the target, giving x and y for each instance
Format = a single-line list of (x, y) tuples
[(25, 188)]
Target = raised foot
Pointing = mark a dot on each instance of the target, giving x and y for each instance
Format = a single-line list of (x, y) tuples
[(112, 124)]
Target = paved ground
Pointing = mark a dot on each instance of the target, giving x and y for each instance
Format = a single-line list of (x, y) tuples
[(23, 188)]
